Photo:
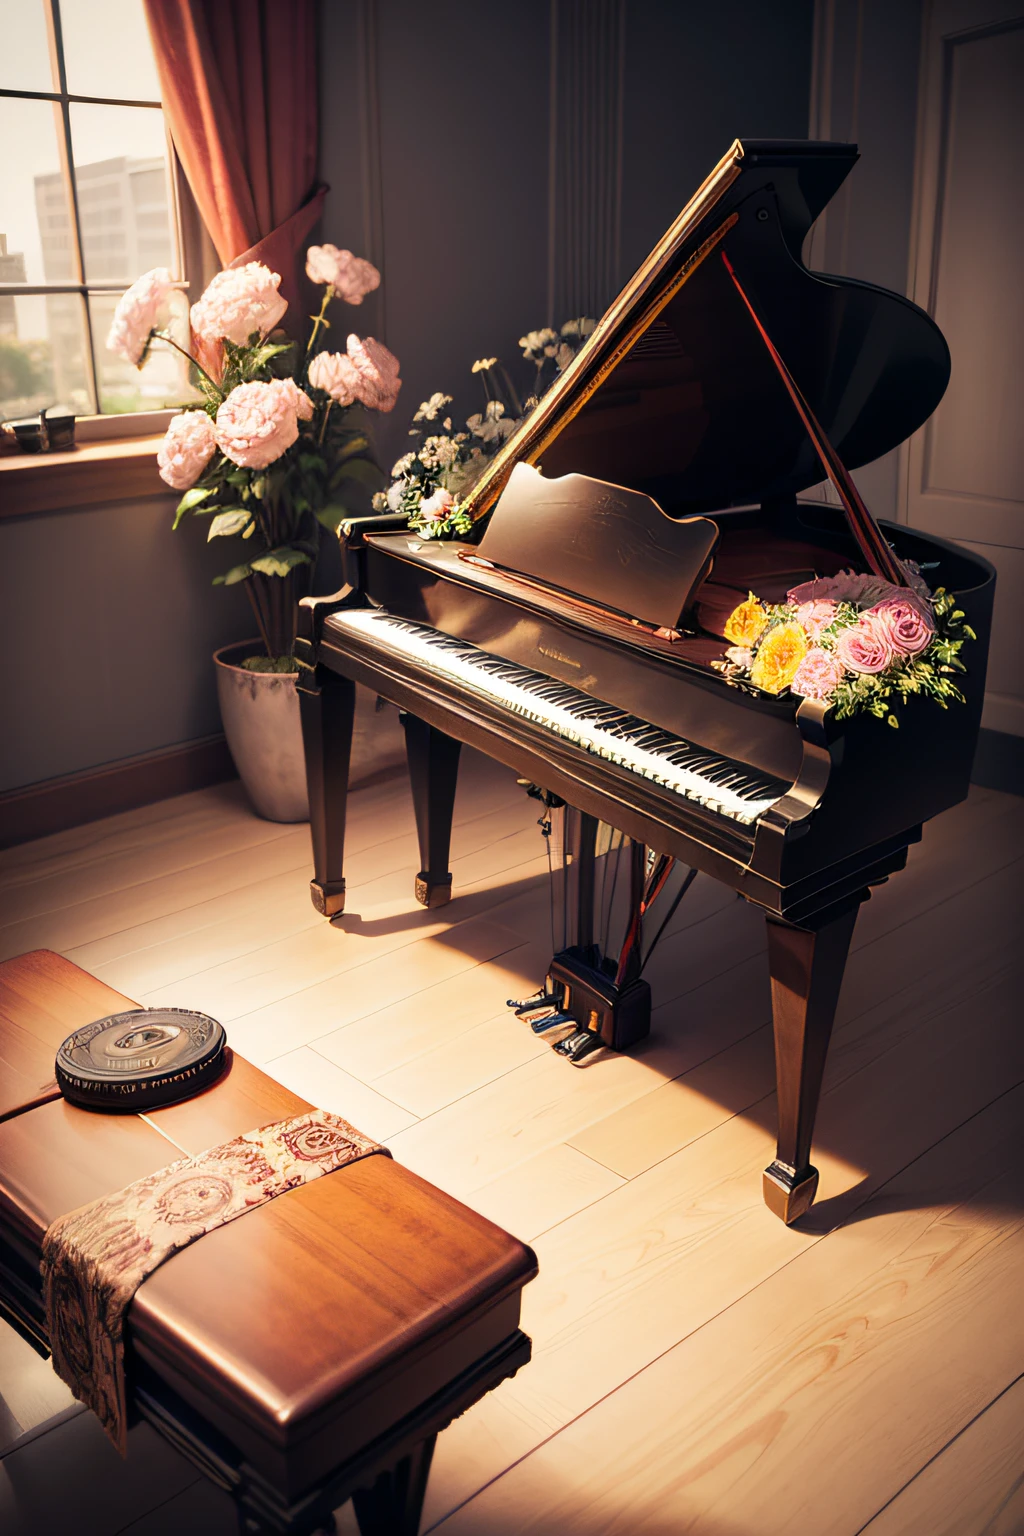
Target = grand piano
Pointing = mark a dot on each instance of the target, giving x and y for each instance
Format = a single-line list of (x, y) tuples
[(580, 627)]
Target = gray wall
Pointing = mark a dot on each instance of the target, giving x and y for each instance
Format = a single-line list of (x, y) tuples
[(479, 192), (107, 622)]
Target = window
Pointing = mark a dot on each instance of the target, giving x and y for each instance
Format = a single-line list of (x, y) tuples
[(87, 204)]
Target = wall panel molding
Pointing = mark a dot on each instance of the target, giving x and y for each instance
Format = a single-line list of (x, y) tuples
[(588, 46)]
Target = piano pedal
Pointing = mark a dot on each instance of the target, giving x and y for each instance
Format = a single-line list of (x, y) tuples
[(618, 1016), (555, 1027), (580, 1047), (534, 1004)]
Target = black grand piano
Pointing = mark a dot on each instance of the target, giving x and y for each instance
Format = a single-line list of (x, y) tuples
[(651, 489)]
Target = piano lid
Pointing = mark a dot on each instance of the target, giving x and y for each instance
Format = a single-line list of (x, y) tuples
[(674, 394)]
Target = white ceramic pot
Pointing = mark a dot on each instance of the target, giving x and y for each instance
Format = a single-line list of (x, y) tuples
[(260, 713)]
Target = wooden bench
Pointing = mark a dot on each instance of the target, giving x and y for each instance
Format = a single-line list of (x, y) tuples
[(304, 1354)]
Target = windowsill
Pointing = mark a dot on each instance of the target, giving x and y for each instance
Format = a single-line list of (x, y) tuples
[(118, 469)]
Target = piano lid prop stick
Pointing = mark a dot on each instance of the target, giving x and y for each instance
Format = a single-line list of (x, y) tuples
[(866, 531), (669, 915)]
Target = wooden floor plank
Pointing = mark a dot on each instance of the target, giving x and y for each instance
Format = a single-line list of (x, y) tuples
[(973, 1487), (746, 1425)]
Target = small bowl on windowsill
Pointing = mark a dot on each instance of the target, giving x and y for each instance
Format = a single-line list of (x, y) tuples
[(52, 431)]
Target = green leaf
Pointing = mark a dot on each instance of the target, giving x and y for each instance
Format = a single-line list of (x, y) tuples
[(363, 471), (230, 578), (278, 562), (331, 516), (233, 520), (191, 499), (357, 444)]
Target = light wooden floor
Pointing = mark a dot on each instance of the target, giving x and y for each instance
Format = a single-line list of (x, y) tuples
[(697, 1366)]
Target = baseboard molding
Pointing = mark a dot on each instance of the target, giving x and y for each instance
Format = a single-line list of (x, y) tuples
[(53, 805), (999, 762)]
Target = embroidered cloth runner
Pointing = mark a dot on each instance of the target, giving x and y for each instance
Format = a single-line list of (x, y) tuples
[(95, 1258)]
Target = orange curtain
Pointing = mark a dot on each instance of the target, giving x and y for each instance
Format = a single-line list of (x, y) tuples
[(239, 89)]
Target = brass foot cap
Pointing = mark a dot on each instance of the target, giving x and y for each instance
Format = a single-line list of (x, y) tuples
[(433, 893), (328, 900), (789, 1194)]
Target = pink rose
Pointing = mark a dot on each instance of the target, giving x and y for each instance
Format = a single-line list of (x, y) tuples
[(908, 629), (865, 646), (258, 422), (818, 675), (378, 371), (349, 276), (237, 302), (140, 311), (433, 508), (187, 448), (815, 616), (335, 373)]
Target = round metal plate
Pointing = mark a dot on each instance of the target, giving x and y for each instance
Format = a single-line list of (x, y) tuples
[(140, 1059)]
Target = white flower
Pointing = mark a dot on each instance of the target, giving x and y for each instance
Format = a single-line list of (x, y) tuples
[(491, 427), (438, 453), (436, 507), (539, 344), (483, 363), (581, 328), (395, 493), (348, 276), (432, 408), (403, 466)]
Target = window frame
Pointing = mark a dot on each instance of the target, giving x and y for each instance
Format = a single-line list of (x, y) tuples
[(64, 99)]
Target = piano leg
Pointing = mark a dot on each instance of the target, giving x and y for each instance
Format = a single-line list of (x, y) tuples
[(433, 775), (327, 706), (806, 966)]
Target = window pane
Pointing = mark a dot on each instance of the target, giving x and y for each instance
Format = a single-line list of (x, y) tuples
[(35, 223), (25, 55), (161, 382), (43, 354), (124, 201), (107, 51)]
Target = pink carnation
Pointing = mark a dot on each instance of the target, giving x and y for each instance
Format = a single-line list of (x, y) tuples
[(258, 422), (865, 646), (818, 675), (237, 302), (815, 616), (433, 508), (139, 312), (187, 448), (337, 375), (349, 276), (378, 370), (908, 629)]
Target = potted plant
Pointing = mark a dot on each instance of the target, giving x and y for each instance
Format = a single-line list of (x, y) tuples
[(273, 452)]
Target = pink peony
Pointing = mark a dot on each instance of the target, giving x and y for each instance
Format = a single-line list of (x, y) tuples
[(187, 448), (378, 369), (349, 276), (865, 646), (258, 422), (908, 629), (301, 402), (237, 302), (815, 616), (818, 675), (336, 373), (139, 312), (433, 508)]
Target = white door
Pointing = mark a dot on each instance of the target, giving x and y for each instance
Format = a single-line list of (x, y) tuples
[(965, 468)]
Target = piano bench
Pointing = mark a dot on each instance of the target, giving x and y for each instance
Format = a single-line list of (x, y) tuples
[(306, 1353)]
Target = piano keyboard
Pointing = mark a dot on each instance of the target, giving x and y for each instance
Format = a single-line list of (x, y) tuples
[(720, 784)]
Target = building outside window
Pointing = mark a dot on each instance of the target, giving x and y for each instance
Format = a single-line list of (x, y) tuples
[(87, 204)]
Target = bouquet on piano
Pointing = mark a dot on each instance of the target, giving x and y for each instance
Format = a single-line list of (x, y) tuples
[(275, 447), (857, 642)]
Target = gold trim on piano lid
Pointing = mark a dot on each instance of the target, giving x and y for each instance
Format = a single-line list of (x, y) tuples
[(553, 413)]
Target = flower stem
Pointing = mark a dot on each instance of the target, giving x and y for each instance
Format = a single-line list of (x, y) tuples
[(318, 320), (323, 424), (163, 336)]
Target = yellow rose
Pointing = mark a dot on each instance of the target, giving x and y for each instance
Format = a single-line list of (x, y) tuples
[(778, 659), (746, 623)]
